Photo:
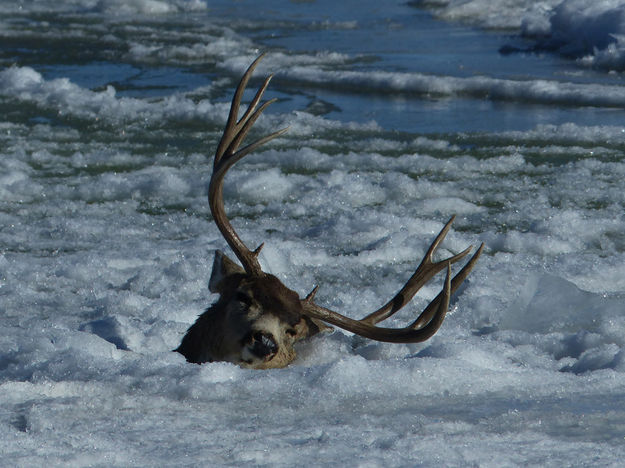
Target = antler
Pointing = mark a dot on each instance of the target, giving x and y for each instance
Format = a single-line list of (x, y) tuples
[(227, 155), (430, 320)]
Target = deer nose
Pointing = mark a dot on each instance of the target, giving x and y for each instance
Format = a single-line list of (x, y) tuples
[(263, 344)]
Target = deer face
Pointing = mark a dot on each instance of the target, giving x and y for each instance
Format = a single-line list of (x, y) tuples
[(263, 318), (254, 324)]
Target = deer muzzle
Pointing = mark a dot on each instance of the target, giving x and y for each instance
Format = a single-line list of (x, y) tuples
[(262, 345)]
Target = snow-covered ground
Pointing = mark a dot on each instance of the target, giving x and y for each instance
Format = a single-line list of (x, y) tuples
[(109, 115)]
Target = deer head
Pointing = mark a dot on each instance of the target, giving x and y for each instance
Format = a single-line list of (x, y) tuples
[(257, 319)]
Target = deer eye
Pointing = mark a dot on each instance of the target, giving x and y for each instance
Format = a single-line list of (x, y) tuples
[(291, 331), (243, 298)]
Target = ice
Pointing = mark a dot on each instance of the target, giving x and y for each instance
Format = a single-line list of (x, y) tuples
[(591, 32), (115, 7), (494, 14), (156, 7), (106, 244), (28, 86)]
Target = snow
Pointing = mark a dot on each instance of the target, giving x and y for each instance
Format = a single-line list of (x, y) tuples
[(591, 32), (106, 247)]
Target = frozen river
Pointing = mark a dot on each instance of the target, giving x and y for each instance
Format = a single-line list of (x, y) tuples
[(400, 116)]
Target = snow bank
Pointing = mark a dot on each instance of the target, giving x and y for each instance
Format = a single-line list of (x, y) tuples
[(102, 274), (590, 32)]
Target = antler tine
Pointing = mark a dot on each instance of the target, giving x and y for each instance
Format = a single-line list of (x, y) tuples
[(430, 320), (428, 312), (424, 272), (227, 155), (231, 152), (232, 126)]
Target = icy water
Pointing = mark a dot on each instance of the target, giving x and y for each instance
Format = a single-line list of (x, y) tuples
[(399, 115)]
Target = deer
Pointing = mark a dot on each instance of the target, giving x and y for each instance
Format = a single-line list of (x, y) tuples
[(256, 319)]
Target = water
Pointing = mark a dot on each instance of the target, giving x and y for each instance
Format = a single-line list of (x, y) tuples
[(398, 118)]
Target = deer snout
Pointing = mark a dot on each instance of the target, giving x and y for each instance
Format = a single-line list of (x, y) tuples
[(263, 344)]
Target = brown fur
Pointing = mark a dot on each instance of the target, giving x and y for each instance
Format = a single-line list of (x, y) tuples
[(247, 305)]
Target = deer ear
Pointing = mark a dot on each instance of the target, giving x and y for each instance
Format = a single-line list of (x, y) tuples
[(222, 268)]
